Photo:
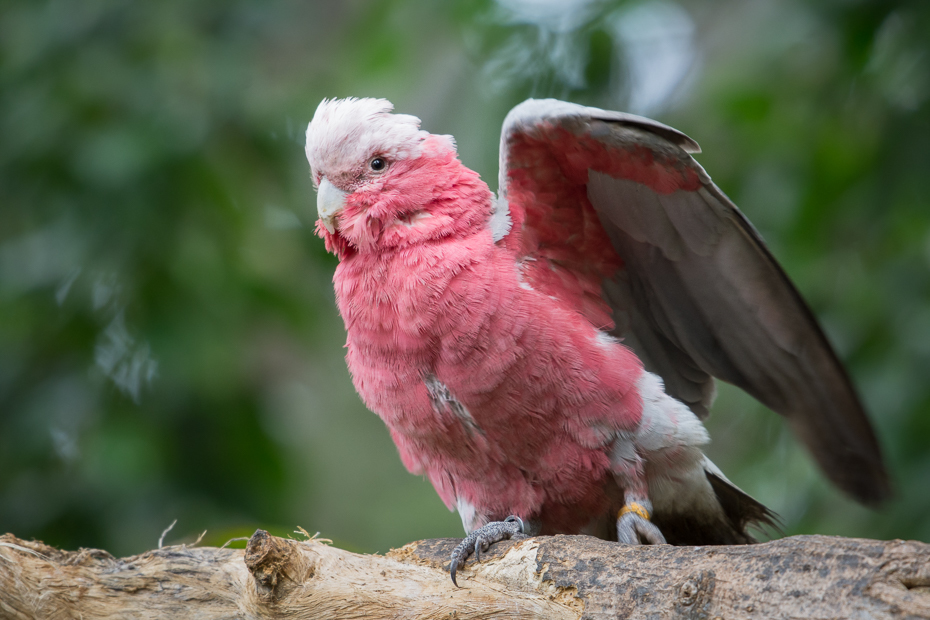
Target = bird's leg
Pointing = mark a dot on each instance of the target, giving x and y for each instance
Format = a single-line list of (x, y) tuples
[(634, 524), (482, 538)]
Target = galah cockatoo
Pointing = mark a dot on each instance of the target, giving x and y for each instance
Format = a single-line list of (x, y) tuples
[(545, 357)]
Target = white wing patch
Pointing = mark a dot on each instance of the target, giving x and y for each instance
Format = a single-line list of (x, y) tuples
[(666, 422), (606, 341), (500, 219), (526, 286)]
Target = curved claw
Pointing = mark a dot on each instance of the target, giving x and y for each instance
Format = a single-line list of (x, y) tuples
[(632, 529), (481, 539)]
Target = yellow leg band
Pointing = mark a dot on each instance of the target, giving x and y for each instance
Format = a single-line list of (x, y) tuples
[(636, 509)]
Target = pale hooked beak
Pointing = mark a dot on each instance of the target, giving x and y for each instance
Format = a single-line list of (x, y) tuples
[(329, 201)]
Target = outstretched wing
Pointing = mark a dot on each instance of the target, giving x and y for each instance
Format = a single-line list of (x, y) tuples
[(609, 213)]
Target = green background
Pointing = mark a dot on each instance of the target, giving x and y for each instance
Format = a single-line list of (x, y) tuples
[(169, 346)]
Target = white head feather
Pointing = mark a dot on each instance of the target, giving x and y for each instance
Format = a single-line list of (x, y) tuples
[(346, 132)]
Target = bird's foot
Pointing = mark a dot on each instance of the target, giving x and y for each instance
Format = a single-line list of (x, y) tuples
[(482, 538), (634, 526)]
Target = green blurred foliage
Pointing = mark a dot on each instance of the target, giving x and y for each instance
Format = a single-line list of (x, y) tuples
[(169, 346)]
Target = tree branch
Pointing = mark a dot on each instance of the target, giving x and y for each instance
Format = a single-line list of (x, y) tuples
[(551, 577)]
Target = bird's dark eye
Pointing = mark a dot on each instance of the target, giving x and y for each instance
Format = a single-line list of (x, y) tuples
[(377, 164)]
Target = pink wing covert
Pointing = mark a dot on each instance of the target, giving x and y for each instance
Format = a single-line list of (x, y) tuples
[(610, 214), (563, 247)]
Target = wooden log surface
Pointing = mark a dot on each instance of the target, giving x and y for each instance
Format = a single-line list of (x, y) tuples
[(544, 577)]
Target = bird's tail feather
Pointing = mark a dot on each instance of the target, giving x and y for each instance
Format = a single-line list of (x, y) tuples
[(741, 510), (724, 519)]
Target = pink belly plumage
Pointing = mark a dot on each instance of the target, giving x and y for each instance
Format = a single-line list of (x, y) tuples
[(538, 392)]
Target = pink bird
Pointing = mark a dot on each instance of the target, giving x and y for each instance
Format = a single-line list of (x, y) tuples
[(545, 357)]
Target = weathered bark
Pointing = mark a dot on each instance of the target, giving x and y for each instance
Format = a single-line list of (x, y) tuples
[(551, 577)]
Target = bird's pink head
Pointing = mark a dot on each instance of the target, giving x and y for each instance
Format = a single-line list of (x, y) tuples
[(382, 182)]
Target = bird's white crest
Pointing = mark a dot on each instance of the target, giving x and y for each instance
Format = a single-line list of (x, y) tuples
[(345, 132)]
